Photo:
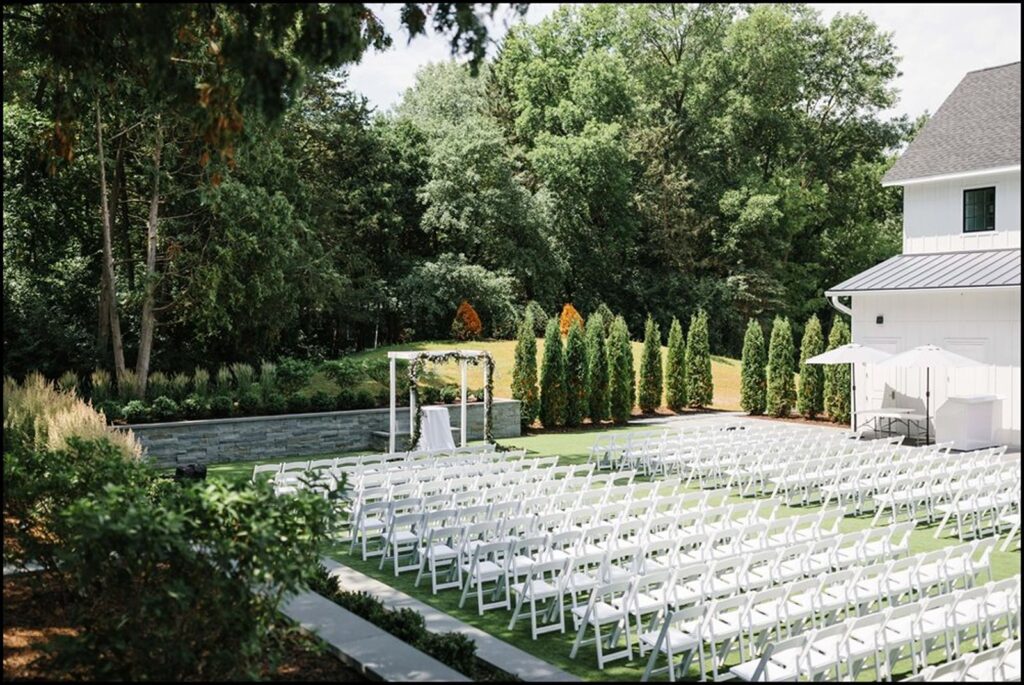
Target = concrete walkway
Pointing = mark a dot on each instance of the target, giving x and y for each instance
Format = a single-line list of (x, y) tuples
[(364, 646), (498, 653)]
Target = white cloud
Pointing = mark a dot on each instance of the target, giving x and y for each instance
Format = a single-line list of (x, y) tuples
[(939, 43)]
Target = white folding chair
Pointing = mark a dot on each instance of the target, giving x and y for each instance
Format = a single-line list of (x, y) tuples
[(487, 565), (543, 583), (680, 634), (606, 608)]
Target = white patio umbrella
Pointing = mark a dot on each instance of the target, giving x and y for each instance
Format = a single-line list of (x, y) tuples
[(929, 357), (850, 353)]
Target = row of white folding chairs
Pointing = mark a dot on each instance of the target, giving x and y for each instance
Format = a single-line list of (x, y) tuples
[(472, 464), (920, 493), (983, 500), (697, 614), (855, 594), (516, 463), (994, 665)]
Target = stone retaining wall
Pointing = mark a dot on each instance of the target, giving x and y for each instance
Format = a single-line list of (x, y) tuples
[(266, 437)]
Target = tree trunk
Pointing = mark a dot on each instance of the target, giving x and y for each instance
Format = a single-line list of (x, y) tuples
[(148, 316), (108, 254), (121, 203)]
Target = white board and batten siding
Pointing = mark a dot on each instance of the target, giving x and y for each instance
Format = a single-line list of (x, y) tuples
[(982, 324), (933, 214)]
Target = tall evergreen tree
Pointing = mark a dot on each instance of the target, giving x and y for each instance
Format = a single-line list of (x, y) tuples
[(699, 384), (675, 368), (752, 373), (576, 406), (620, 372), (837, 376), (781, 394), (597, 369), (811, 398), (650, 368), (524, 372), (552, 379)]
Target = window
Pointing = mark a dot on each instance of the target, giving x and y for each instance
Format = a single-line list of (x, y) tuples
[(979, 210)]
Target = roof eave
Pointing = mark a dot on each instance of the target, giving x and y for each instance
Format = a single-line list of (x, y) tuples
[(890, 291), (950, 177)]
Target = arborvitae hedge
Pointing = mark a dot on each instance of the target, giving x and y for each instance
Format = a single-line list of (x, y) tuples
[(568, 318), (607, 319), (753, 380), (552, 379), (837, 376), (466, 325), (524, 373), (576, 406), (597, 369), (811, 398), (540, 318), (781, 394), (649, 394), (699, 384), (620, 372), (675, 368)]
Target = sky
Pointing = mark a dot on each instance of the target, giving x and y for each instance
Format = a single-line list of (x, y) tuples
[(939, 43)]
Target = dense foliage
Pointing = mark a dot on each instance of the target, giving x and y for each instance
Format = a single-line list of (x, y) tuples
[(811, 394), (621, 388), (650, 385), (753, 378), (675, 368), (553, 394), (597, 369), (577, 403), (524, 372), (781, 389), (653, 157), (700, 389), (837, 376)]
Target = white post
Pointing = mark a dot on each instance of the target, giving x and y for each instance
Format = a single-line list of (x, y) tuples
[(412, 413), (487, 395), (394, 407), (462, 419)]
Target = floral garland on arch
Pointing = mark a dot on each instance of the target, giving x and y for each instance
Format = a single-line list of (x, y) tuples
[(416, 366)]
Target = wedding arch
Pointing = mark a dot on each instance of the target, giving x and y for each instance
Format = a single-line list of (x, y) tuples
[(417, 360)]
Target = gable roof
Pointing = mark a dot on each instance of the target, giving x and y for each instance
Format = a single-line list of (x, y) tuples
[(931, 271), (976, 128)]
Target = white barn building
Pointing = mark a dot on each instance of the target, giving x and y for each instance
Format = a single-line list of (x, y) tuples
[(957, 282)]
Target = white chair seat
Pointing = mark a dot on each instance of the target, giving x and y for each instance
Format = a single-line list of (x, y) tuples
[(603, 613), (537, 589), (780, 668)]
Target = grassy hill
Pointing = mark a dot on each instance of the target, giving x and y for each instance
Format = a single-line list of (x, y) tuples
[(725, 371)]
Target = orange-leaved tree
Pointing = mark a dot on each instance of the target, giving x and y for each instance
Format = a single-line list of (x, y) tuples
[(569, 316), (466, 325)]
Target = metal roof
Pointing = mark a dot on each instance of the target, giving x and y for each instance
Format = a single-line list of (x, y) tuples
[(976, 128), (931, 271)]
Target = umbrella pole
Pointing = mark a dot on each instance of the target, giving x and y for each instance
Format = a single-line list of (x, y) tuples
[(927, 403), (853, 396)]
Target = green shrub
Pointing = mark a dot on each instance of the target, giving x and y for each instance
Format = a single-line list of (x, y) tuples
[(781, 392), (195, 407), (364, 399), (576, 400), (597, 369), (275, 403), (201, 382), (620, 372), (244, 376), (700, 389), (223, 381), (811, 396), (451, 394), (537, 316), (429, 394), (607, 318), (221, 406), (127, 386), (649, 392), (293, 374), (250, 402), (552, 379), (524, 370), (165, 409), (268, 378), (136, 411), (177, 386), (157, 385), (99, 386), (753, 370), (345, 372), (454, 650), (837, 376), (111, 410), (675, 369), (68, 382), (345, 399), (321, 401), (298, 404), (379, 371)]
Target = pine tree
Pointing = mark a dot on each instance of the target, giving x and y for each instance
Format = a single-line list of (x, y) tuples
[(524, 373), (699, 384), (552, 379), (837, 376), (752, 374), (576, 406), (781, 393), (675, 368), (650, 368), (620, 372), (811, 399), (597, 369)]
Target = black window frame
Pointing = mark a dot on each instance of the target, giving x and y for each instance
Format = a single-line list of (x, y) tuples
[(984, 205)]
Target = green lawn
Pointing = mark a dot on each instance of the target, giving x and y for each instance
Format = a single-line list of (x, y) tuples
[(573, 447)]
